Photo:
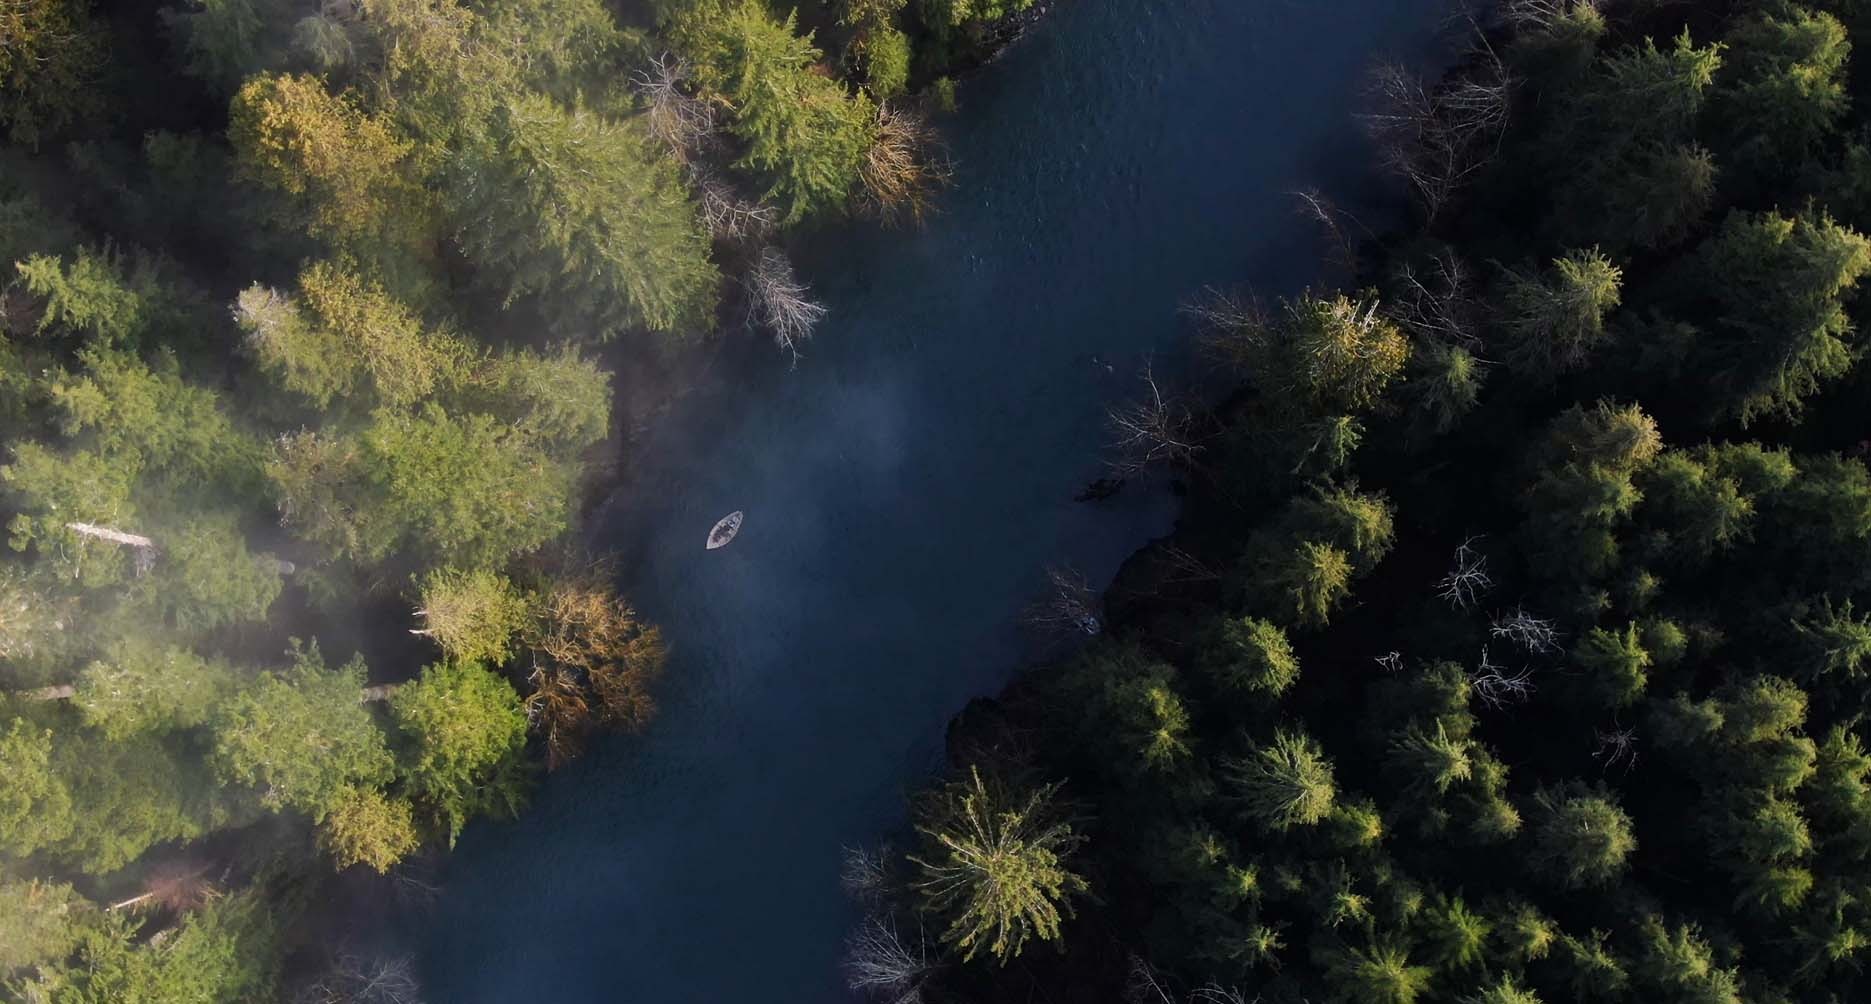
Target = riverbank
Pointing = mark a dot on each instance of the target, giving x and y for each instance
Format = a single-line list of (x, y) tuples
[(905, 488)]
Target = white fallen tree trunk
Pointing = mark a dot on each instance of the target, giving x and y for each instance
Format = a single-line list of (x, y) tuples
[(106, 533)]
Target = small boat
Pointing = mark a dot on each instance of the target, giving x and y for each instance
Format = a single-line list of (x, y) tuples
[(725, 529)]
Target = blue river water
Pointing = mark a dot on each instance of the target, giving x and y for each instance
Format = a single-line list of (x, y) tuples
[(905, 485)]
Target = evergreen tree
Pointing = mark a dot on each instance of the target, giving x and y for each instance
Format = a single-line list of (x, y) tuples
[(1778, 283), (466, 730), (303, 736), (995, 866), (1555, 319), (1581, 836), (1285, 783), (587, 214)]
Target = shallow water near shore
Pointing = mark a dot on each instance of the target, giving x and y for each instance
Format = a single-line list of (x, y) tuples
[(904, 487)]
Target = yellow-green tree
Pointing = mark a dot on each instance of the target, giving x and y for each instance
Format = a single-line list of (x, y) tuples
[(995, 865)]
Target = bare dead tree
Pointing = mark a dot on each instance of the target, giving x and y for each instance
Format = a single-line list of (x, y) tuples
[(1437, 136), (355, 979), (725, 214), (1496, 687), (904, 167), (779, 302), (1533, 633), (1233, 329), (1185, 567), (1468, 578), (1436, 300), (881, 962), (1540, 16), (678, 118), (1389, 662), (1616, 745), (1143, 986), (175, 885), (865, 874), (1335, 223), (1070, 607), (1156, 430)]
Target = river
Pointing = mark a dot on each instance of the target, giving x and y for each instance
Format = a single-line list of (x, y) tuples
[(905, 485)]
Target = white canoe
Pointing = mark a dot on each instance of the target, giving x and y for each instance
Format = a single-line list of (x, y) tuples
[(724, 530)]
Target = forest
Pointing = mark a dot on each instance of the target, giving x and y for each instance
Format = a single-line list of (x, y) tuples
[(1514, 642), (323, 325)]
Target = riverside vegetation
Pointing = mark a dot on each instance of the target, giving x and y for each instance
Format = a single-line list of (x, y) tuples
[(1514, 645), (301, 322)]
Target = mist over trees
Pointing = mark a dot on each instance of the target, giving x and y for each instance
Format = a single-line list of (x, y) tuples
[(1512, 646), (321, 326)]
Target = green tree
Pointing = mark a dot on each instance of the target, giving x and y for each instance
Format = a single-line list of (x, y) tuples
[(225, 951), (1444, 383), (1554, 319), (50, 57), (1458, 936), (474, 616), (91, 297), (1615, 664), (466, 730), (588, 214), (343, 175), (143, 685), (464, 489), (40, 922), (130, 794), (1285, 783), (302, 736), (1781, 91), (1679, 963), (205, 578), (1379, 974), (1433, 759), (1833, 641), (1504, 991), (805, 136), (367, 827), (35, 804), (341, 330), (995, 864), (1778, 282), (1580, 836), (1250, 656)]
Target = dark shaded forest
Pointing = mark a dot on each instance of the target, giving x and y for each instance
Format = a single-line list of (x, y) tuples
[(323, 323), (1514, 643)]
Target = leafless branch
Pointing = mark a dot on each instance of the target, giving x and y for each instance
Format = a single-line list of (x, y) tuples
[(1233, 329), (1437, 136), (1069, 608), (1533, 633), (1335, 223), (1498, 688), (1615, 745), (880, 962), (1539, 16), (725, 214), (1153, 431), (1468, 579), (681, 120), (904, 167), (779, 301), (865, 874), (1186, 566), (1390, 662), (357, 980), (1436, 300)]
